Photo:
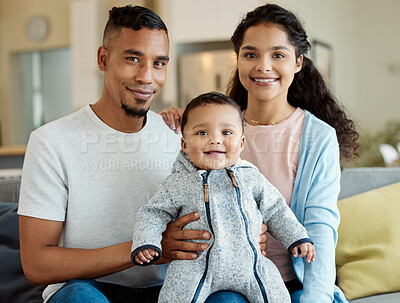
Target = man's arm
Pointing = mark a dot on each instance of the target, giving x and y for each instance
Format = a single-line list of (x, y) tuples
[(44, 192), (44, 262)]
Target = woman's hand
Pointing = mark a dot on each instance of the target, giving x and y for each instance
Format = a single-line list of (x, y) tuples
[(172, 117), (262, 239)]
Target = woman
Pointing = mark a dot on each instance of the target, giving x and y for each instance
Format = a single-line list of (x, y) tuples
[(296, 133)]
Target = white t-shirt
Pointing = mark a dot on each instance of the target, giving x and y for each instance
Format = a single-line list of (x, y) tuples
[(94, 178)]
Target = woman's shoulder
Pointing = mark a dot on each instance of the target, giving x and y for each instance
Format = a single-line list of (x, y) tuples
[(318, 126)]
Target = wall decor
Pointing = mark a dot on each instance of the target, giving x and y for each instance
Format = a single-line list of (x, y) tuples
[(322, 56)]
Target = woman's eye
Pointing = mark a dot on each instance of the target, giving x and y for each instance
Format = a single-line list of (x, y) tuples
[(250, 55), (279, 56)]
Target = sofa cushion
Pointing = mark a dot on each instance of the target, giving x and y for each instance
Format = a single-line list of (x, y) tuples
[(368, 247), (13, 285)]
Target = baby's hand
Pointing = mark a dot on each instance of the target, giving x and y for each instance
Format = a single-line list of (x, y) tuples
[(307, 249), (146, 255)]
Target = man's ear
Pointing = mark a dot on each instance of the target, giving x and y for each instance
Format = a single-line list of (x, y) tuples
[(183, 145), (299, 63), (102, 55)]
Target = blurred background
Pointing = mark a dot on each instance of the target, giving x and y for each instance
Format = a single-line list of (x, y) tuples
[(48, 60)]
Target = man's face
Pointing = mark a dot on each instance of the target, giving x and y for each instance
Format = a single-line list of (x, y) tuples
[(135, 69)]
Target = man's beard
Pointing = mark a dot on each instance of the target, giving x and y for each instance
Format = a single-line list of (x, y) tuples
[(134, 112)]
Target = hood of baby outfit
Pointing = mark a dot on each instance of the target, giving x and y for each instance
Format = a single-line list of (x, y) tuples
[(183, 163)]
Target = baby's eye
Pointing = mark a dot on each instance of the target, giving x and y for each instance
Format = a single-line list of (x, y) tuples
[(201, 133), (227, 132)]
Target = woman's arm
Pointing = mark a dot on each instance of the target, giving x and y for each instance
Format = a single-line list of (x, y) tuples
[(321, 220)]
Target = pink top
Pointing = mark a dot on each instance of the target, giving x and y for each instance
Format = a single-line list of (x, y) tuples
[(274, 149)]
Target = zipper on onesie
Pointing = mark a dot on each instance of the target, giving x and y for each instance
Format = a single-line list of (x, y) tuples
[(208, 214), (205, 185), (233, 178), (238, 196)]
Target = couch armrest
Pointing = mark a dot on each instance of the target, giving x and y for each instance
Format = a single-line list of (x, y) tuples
[(13, 285), (358, 180), (9, 189)]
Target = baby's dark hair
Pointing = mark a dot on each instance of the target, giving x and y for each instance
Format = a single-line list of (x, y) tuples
[(134, 17), (210, 98)]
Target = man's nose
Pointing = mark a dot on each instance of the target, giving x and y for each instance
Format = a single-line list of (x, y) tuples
[(144, 74)]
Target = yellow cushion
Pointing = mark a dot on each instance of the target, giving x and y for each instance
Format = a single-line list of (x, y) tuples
[(368, 249)]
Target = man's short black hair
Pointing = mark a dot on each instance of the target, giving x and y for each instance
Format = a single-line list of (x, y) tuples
[(134, 17)]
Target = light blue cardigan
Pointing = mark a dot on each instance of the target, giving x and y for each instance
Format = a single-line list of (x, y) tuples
[(314, 202)]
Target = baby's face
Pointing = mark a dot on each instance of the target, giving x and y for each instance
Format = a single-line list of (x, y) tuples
[(213, 136)]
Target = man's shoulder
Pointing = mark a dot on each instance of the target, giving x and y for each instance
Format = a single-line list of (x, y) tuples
[(63, 125), (157, 122), (157, 127)]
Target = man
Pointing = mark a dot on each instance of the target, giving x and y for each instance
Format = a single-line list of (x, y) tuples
[(86, 175)]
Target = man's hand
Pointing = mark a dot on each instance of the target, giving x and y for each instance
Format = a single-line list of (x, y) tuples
[(172, 117), (262, 239), (175, 244)]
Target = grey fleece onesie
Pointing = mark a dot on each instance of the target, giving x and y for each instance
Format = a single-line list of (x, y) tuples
[(232, 202)]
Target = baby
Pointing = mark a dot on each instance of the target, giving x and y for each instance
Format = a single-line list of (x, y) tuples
[(233, 199)]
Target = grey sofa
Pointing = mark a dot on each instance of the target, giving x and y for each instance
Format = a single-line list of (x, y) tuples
[(15, 288)]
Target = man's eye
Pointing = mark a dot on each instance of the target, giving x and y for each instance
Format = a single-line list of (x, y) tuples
[(159, 63), (133, 59)]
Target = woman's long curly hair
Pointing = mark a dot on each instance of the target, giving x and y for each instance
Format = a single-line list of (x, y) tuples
[(308, 89)]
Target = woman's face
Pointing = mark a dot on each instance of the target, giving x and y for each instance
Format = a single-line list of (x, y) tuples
[(267, 63)]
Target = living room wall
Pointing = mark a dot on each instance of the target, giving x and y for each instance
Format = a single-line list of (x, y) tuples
[(377, 61), (366, 64), (366, 61), (14, 17), (13, 40)]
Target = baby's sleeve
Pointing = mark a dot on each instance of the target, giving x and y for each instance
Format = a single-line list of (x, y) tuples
[(151, 222)]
